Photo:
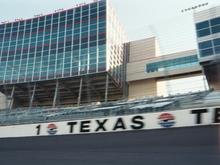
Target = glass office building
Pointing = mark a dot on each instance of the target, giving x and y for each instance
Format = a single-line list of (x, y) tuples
[(206, 28), (85, 40), (207, 24)]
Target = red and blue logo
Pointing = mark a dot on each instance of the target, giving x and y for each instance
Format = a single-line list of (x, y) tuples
[(166, 120), (52, 129)]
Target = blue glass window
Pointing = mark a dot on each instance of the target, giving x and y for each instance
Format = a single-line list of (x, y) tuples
[(77, 11), (216, 29), (205, 45), (202, 25), (203, 32), (63, 14), (216, 42), (70, 12), (206, 52), (15, 24), (42, 18), (55, 15), (172, 63), (102, 3), (93, 5), (215, 21), (44, 39), (93, 11), (217, 49), (48, 19), (22, 23), (2, 27)]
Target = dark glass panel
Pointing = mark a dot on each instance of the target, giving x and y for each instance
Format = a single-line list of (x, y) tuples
[(215, 21), (203, 32), (202, 25), (206, 52), (216, 29), (216, 42), (205, 45)]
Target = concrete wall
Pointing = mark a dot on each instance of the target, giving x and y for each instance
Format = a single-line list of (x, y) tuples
[(142, 88), (207, 14), (142, 49), (137, 70), (141, 83)]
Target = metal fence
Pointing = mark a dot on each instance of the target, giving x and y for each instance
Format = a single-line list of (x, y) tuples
[(123, 107)]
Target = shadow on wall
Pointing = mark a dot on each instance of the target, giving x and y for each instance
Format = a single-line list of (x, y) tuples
[(212, 72)]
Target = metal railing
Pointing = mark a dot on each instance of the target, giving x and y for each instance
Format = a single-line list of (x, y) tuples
[(125, 107)]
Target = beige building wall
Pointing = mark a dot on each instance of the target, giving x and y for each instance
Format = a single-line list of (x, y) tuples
[(142, 49), (144, 84), (142, 88), (137, 70)]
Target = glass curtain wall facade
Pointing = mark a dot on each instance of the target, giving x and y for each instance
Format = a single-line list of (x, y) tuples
[(172, 64), (206, 28), (207, 24), (63, 44), (116, 38)]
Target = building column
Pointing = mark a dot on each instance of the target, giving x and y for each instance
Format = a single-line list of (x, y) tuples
[(55, 94), (6, 97), (106, 88), (88, 89), (32, 96), (12, 98), (80, 91)]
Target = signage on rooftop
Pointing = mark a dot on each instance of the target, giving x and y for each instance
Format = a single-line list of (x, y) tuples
[(195, 7)]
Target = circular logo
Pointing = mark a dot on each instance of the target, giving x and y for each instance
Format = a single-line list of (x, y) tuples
[(166, 120), (52, 129)]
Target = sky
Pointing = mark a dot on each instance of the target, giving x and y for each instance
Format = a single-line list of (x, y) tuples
[(140, 18)]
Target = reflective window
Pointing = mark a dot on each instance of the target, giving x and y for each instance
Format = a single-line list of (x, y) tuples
[(172, 64), (208, 27), (216, 42), (203, 32), (215, 21), (55, 45), (206, 52), (202, 25), (217, 50), (208, 48), (215, 29), (205, 45)]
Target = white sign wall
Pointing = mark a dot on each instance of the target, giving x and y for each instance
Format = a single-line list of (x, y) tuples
[(159, 120)]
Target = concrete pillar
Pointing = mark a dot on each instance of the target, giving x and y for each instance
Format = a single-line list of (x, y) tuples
[(32, 96), (12, 98), (80, 91), (106, 87), (55, 94)]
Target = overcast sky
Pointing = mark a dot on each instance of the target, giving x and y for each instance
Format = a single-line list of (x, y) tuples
[(141, 18)]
